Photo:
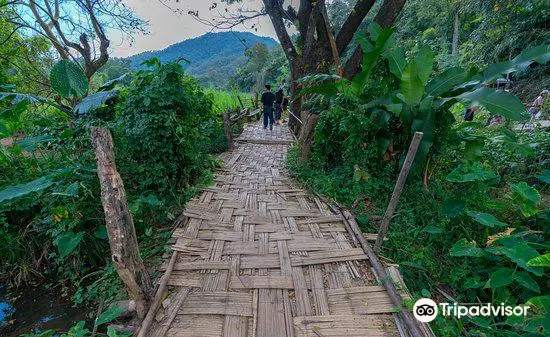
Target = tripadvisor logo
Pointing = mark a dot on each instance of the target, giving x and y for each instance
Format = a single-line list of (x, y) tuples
[(426, 310)]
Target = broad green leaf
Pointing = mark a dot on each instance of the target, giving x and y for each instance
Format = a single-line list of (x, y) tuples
[(424, 61), (22, 190), (540, 302), (497, 102), (109, 85), (445, 81), (538, 54), (68, 242), (472, 283), (500, 278), (425, 123), (371, 52), (468, 173), (31, 143), (94, 101), (526, 281), (540, 261), (525, 191), (78, 330), (14, 112), (527, 197), (453, 208), (486, 219), (68, 80), (544, 176), (464, 248), (397, 61), (374, 30), (473, 150), (412, 87), (519, 252), (109, 315)]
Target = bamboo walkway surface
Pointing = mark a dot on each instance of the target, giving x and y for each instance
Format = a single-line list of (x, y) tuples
[(255, 256)]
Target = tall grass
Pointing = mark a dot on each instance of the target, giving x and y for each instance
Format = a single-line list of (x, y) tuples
[(225, 100)]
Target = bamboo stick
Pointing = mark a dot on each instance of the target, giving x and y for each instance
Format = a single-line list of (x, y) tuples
[(146, 324), (397, 190)]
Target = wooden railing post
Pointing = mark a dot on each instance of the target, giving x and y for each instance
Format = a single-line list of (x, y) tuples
[(385, 223), (226, 118), (120, 224)]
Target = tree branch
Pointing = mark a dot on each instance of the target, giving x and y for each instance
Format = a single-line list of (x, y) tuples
[(352, 23), (275, 12), (385, 17)]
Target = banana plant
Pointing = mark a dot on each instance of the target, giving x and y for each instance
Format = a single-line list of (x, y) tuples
[(423, 99)]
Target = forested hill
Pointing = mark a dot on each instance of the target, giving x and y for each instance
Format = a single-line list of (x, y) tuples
[(214, 57)]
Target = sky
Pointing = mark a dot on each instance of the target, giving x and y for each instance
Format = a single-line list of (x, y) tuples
[(167, 27)]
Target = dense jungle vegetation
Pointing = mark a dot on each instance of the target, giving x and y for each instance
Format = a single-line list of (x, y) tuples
[(471, 226)]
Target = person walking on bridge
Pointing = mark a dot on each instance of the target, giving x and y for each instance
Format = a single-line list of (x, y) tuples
[(268, 98)]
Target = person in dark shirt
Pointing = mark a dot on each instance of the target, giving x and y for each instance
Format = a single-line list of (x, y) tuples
[(278, 105), (469, 115), (268, 98)]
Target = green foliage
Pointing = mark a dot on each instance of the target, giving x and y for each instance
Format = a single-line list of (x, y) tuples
[(165, 128), (161, 125), (67, 78), (475, 218), (263, 66)]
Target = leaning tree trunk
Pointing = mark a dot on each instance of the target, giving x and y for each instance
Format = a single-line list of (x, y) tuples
[(120, 224), (307, 134), (454, 48)]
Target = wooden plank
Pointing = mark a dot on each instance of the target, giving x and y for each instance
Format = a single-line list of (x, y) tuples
[(220, 235), (200, 265), (260, 261), (177, 300), (197, 325), (332, 256), (235, 326), (321, 220), (360, 301), (298, 213), (284, 259), (218, 303), (318, 290), (345, 326), (186, 279), (271, 314), (303, 303), (261, 282), (278, 236)]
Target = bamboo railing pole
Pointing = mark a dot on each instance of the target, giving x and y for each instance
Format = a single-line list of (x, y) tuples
[(380, 272), (146, 324), (385, 223)]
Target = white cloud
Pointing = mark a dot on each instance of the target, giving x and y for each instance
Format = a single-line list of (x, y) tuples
[(167, 27)]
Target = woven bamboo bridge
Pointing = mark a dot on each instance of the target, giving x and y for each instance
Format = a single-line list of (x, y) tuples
[(255, 256)]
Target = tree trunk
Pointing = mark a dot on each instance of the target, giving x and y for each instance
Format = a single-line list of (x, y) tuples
[(455, 34), (307, 134), (120, 224), (296, 72)]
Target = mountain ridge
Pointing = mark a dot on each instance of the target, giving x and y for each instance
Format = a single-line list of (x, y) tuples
[(214, 57)]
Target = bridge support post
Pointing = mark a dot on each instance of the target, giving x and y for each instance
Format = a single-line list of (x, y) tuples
[(120, 223), (226, 119), (385, 223)]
